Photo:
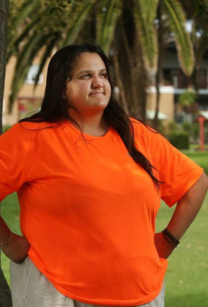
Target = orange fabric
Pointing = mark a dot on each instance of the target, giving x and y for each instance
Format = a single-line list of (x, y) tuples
[(88, 210)]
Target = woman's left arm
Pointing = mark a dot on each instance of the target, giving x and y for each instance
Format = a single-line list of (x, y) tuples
[(186, 210)]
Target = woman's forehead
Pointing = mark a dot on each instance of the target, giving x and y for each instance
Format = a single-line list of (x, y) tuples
[(89, 61)]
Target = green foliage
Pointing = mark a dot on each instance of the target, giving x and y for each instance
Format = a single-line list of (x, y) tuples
[(47, 26), (187, 266), (206, 133), (42, 26), (187, 98), (144, 15), (200, 42), (200, 157), (5, 128), (107, 14), (176, 19), (195, 130), (200, 9), (161, 127), (178, 134), (77, 16), (15, 7), (187, 127), (10, 211), (172, 127), (179, 139)]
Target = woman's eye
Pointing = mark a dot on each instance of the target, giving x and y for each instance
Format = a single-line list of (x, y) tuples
[(104, 75), (85, 76)]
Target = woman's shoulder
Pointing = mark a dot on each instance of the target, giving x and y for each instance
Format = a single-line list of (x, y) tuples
[(31, 127), (142, 129), (27, 131)]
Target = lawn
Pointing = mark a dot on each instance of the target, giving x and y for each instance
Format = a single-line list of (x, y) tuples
[(187, 274)]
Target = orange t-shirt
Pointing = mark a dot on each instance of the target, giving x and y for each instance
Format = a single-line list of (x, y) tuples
[(88, 210)]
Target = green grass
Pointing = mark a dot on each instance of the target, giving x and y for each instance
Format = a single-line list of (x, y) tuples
[(10, 212), (187, 274), (200, 157)]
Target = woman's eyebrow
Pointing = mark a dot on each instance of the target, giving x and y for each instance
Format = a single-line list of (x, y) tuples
[(90, 71)]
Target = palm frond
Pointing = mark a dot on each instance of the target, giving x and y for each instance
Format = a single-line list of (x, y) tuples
[(77, 17), (107, 14), (16, 85), (203, 4), (48, 50), (202, 11), (45, 32), (201, 46), (144, 15), (33, 38), (25, 54), (27, 8), (18, 21), (175, 15), (15, 43), (25, 60)]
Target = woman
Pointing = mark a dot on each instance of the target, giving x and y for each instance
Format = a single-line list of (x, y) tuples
[(89, 182)]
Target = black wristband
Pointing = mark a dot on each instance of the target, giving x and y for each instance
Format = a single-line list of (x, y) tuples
[(168, 235)]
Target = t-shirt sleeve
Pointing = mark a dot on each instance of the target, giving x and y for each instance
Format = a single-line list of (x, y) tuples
[(16, 159), (177, 172)]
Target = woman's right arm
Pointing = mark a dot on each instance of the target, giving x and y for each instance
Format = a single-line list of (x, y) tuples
[(17, 247), (17, 154)]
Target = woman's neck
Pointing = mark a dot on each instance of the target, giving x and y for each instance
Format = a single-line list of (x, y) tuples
[(92, 125)]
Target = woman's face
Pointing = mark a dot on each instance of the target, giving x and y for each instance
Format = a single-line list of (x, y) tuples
[(88, 90)]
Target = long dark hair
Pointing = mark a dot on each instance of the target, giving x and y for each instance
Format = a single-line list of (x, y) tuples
[(54, 108)]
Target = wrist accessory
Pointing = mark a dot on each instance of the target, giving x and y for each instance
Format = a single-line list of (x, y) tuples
[(6, 242), (170, 238)]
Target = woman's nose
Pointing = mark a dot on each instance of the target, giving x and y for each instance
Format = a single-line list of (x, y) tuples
[(97, 82)]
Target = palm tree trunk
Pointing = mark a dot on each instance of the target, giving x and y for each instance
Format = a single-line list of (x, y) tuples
[(132, 70), (158, 73), (140, 80), (124, 63), (119, 82), (5, 294), (4, 7)]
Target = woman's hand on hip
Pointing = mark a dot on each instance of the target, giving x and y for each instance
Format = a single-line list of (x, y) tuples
[(17, 248), (163, 247)]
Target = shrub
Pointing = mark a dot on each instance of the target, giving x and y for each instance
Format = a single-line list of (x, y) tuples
[(195, 131), (5, 128), (206, 133), (187, 127), (187, 98), (179, 139), (172, 127)]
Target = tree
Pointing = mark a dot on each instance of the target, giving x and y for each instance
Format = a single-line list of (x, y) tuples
[(134, 18), (197, 13), (187, 98), (171, 21), (131, 25), (49, 28), (5, 295), (43, 26)]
